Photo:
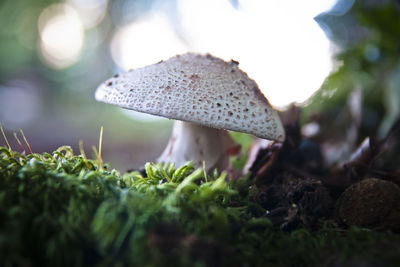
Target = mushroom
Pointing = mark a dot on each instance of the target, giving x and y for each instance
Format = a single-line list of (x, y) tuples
[(207, 96)]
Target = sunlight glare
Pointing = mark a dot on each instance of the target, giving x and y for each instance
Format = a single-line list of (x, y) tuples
[(276, 42)]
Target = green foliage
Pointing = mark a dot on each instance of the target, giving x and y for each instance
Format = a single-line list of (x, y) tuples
[(59, 209), (367, 58)]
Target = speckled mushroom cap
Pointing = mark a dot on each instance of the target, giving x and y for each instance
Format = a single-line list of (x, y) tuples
[(196, 88)]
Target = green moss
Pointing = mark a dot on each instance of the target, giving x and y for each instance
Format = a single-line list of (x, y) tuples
[(59, 209)]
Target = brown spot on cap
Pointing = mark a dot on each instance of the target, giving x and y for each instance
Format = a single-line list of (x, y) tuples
[(194, 77)]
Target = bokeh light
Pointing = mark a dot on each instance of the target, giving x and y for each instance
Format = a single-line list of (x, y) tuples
[(61, 35), (145, 42), (91, 12)]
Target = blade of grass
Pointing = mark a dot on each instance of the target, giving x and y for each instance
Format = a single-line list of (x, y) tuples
[(26, 141), (84, 155), (5, 137), (19, 142), (95, 152), (100, 144)]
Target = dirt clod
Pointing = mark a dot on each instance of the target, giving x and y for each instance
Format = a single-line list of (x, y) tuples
[(371, 203)]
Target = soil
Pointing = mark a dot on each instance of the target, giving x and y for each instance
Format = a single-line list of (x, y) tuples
[(295, 186)]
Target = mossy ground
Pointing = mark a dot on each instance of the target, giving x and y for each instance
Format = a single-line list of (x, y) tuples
[(61, 209)]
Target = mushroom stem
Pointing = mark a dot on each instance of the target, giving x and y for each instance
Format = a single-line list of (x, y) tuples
[(193, 142)]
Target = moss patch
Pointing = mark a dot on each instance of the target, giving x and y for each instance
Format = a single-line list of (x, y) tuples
[(59, 209)]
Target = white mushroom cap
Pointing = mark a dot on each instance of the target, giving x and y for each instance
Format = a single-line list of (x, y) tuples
[(196, 88)]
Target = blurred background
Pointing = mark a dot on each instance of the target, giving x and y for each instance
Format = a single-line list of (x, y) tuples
[(320, 54)]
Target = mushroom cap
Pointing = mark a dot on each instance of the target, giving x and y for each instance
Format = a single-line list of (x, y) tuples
[(196, 88)]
